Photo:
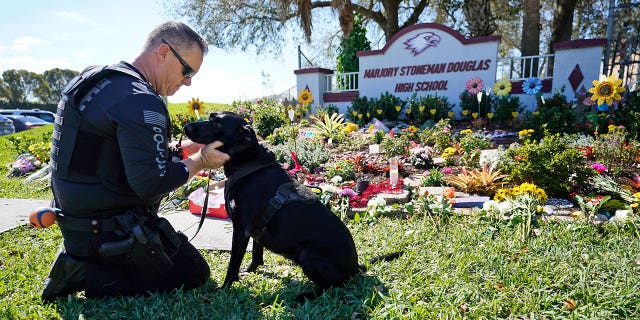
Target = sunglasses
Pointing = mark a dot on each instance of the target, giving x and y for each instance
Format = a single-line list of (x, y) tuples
[(187, 71)]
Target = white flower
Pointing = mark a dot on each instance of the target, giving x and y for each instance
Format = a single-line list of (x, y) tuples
[(336, 179), (378, 201)]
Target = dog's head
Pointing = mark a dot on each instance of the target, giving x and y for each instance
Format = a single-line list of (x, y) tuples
[(228, 127)]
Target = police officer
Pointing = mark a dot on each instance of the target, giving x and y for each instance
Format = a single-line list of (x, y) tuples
[(111, 166)]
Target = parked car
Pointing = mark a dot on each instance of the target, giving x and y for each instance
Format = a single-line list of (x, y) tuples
[(6, 126), (42, 114), (22, 123)]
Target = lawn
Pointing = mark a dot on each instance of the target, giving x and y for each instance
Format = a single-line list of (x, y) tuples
[(473, 265), (472, 268)]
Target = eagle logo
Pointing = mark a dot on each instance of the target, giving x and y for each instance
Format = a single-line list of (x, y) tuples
[(421, 42)]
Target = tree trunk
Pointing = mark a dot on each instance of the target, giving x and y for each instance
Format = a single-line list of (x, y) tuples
[(479, 18), (392, 26), (562, 25), (530, 35)]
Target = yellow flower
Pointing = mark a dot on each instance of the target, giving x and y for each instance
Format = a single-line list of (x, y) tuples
[(611, 127), (465, 112), (489, 115), (421, 108), (450, 114), (359, 115), (536, 113), (514, 114), (379, 111), (368, 115), (467, 131), (474, 115), (432, 111), (398, 108), (502, 87), (195, 106), (305, 97), (408, 111), (607, 89), (354, 113)]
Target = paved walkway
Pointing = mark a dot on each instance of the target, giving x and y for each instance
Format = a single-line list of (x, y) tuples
[(214, 235)]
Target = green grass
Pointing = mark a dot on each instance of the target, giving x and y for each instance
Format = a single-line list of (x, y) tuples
[(470, 269)]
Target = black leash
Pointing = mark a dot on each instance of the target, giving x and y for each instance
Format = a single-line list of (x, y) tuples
[(205, 206)]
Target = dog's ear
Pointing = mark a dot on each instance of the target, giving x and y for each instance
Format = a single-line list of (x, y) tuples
[(213, 115), (249, 134)]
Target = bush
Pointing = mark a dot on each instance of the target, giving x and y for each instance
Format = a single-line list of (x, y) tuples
[(438, 136), (549, 164), (556, 115), (342, 168), (504, 107), (267, 117), (613, 151), (421, 109), (628, 115), (311, 153)]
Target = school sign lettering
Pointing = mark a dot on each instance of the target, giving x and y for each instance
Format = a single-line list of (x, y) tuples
[(427, 59)]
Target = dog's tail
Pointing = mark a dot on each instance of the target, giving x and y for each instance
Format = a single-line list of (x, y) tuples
[(384, 257)]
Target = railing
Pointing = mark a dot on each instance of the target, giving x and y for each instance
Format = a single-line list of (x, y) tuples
[(514, 69), (520, 68), (341, 82)]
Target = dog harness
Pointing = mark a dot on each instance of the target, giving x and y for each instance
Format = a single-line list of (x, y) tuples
[(287, 193)]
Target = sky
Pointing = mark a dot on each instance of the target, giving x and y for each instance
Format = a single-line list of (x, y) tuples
[(39, 35)]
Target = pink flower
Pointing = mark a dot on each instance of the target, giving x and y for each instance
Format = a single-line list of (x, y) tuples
[(347, 192), (600, 168), (474, 85), (447, 170)]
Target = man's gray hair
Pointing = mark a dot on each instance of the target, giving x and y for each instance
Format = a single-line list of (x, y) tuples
[(178, 34)]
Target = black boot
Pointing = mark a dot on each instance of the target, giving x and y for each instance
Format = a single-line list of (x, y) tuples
[(66, 277)]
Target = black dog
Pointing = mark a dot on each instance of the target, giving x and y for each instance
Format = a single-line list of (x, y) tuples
[(265, 203)]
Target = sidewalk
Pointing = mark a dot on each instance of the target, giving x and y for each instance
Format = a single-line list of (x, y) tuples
[(214, 235)]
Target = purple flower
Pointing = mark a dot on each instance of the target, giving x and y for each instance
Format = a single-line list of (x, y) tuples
[(599, 167), (347, 192)]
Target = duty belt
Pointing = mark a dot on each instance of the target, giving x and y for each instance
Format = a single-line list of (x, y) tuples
[(94, 225)]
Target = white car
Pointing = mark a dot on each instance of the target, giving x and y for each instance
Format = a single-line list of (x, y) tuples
[(6, 126), (42, 114)]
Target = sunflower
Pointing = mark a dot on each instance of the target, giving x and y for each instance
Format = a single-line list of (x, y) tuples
[(305, 97), (474, 85), (195, 106), (502, 87), (532, 86), (607, 89)]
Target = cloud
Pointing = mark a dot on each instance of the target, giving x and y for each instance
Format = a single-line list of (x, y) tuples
[(30, 63), (25, 44), (71, 16)]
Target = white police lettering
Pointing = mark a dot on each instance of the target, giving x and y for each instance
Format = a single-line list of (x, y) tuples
[(161, 159), (95, 90)]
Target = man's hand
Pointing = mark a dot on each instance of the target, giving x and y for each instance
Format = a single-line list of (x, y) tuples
[(207, 157), (211, 158)]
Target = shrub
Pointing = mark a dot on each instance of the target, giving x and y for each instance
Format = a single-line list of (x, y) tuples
[(329, 127), (342, 168), (484, 182), (267, 117), (311, 153), (421, 109), (504, 107), (613, 151), (282, 135), (433, 178), (395, 146), (360, 111), (556, 115), (438, 136), (551, 164), (628, 115)]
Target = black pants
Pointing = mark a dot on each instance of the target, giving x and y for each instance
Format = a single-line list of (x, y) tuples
[(119, 277)]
